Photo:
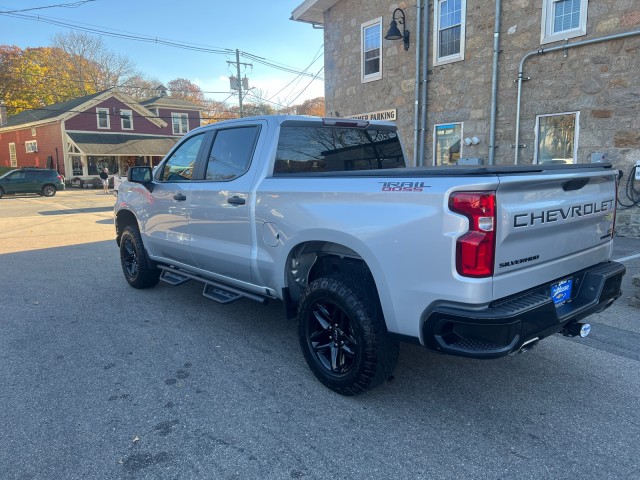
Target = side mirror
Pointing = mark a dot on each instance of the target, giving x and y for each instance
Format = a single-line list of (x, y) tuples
[(141, 175)]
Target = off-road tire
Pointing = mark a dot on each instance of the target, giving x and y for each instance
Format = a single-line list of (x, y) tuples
[(48, 191), (343, 336), (135, 264)]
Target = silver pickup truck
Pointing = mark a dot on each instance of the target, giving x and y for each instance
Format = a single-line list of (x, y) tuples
[(323, 215)]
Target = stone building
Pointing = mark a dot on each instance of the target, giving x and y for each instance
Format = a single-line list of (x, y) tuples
[(564, 87)]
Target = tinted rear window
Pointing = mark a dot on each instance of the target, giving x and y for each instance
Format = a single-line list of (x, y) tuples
[(329, 149)]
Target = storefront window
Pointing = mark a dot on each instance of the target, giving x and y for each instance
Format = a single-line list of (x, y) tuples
[(76, 164), (97, 164), (556, 138), (446, 143)]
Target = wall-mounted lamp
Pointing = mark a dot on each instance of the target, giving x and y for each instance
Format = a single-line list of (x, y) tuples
[(394, 31), (471, 141)]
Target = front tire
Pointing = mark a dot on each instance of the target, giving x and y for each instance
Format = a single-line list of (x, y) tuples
[(48, 191), (343, 336), (133, 258)]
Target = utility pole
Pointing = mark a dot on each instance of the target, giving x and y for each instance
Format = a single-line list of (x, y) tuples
[(237, 63)]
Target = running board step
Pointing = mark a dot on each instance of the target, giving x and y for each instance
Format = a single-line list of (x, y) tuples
[(173, 278), (213, 290), (220, 295)]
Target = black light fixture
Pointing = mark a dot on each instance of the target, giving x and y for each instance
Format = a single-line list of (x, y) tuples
[(394, 31)]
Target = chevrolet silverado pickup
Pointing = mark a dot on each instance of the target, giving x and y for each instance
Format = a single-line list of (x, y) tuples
[(324, 215)]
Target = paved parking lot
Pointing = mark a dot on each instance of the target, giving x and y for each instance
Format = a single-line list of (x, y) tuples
[(100, 380)]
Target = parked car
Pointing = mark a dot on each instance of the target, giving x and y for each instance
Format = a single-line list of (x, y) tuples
[(42, 181)]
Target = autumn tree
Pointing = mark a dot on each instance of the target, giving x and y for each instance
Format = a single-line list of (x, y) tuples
[(186, 90), (91, 63), (314, 106), (140, 88)]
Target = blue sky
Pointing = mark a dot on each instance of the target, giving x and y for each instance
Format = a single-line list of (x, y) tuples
[(259, 27)]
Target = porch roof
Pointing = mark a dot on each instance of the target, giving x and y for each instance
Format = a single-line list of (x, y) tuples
[(122, 145)]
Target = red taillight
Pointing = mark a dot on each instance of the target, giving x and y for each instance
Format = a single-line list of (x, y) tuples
[(475, 250)]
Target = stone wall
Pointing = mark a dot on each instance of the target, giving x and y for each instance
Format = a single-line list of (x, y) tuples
[(600, 81)]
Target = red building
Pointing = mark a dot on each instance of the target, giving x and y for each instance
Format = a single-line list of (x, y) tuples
[(109, 129)]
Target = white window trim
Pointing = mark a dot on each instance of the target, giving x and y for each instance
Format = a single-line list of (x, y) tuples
[(179, 115), (13, 157), (575, 138), (437, 60), (547, 35), (31, 146), (98, 110), (128, 113), (435, 127), (374, 76)]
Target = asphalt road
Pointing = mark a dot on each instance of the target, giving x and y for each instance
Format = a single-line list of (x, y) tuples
[(99, 381)]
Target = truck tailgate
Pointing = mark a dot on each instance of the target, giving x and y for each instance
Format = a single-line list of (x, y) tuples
[(550, 225)]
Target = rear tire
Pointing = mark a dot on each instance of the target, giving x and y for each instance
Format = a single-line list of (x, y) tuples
[(48, 190), (133, 258), (343, 336)]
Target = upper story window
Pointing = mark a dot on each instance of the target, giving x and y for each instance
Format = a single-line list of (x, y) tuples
[(557, 138), (31, 146), (371, 51), (180, 122), (126, 119), (562, 19), (103, 118), (449, 31)]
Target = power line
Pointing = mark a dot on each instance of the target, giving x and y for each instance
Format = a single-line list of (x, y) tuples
[(315, 59), (65, 5), (149, 39)]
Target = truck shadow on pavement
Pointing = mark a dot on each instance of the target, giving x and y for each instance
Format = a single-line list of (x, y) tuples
[(207, 374)]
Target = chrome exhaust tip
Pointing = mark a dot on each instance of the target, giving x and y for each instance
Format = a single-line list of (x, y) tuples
[(576, 329)]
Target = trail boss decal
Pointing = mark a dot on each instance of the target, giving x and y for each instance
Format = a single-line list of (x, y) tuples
[(403, 186), (559, 214)]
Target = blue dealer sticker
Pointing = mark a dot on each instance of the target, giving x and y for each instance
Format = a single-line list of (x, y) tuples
[(561, 291)]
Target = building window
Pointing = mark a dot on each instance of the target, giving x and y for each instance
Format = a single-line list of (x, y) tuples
[(33, 131), (449, 31), (446, 143), (103, 118), (180, 123), (562, 19), (31, 146), (12, 155), (557, 138), (126, 119), (371, 39)]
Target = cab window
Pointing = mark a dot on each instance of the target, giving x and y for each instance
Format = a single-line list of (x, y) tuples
[(231, 153), (180, 166)]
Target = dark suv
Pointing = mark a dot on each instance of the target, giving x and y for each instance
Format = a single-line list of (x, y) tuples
[(31, 180)]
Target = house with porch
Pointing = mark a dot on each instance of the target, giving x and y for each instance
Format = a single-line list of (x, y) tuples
[(82, 136)]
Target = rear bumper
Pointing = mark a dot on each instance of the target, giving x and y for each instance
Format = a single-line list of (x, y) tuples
[(507, 324)]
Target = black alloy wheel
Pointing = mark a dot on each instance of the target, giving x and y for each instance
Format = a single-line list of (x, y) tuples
[(343, 336), (133, 258)]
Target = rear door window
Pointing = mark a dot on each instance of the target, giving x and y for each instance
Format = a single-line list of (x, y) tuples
[(231, 153)]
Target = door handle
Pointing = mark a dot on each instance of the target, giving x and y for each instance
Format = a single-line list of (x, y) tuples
[(236, 200), (179, 197)]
